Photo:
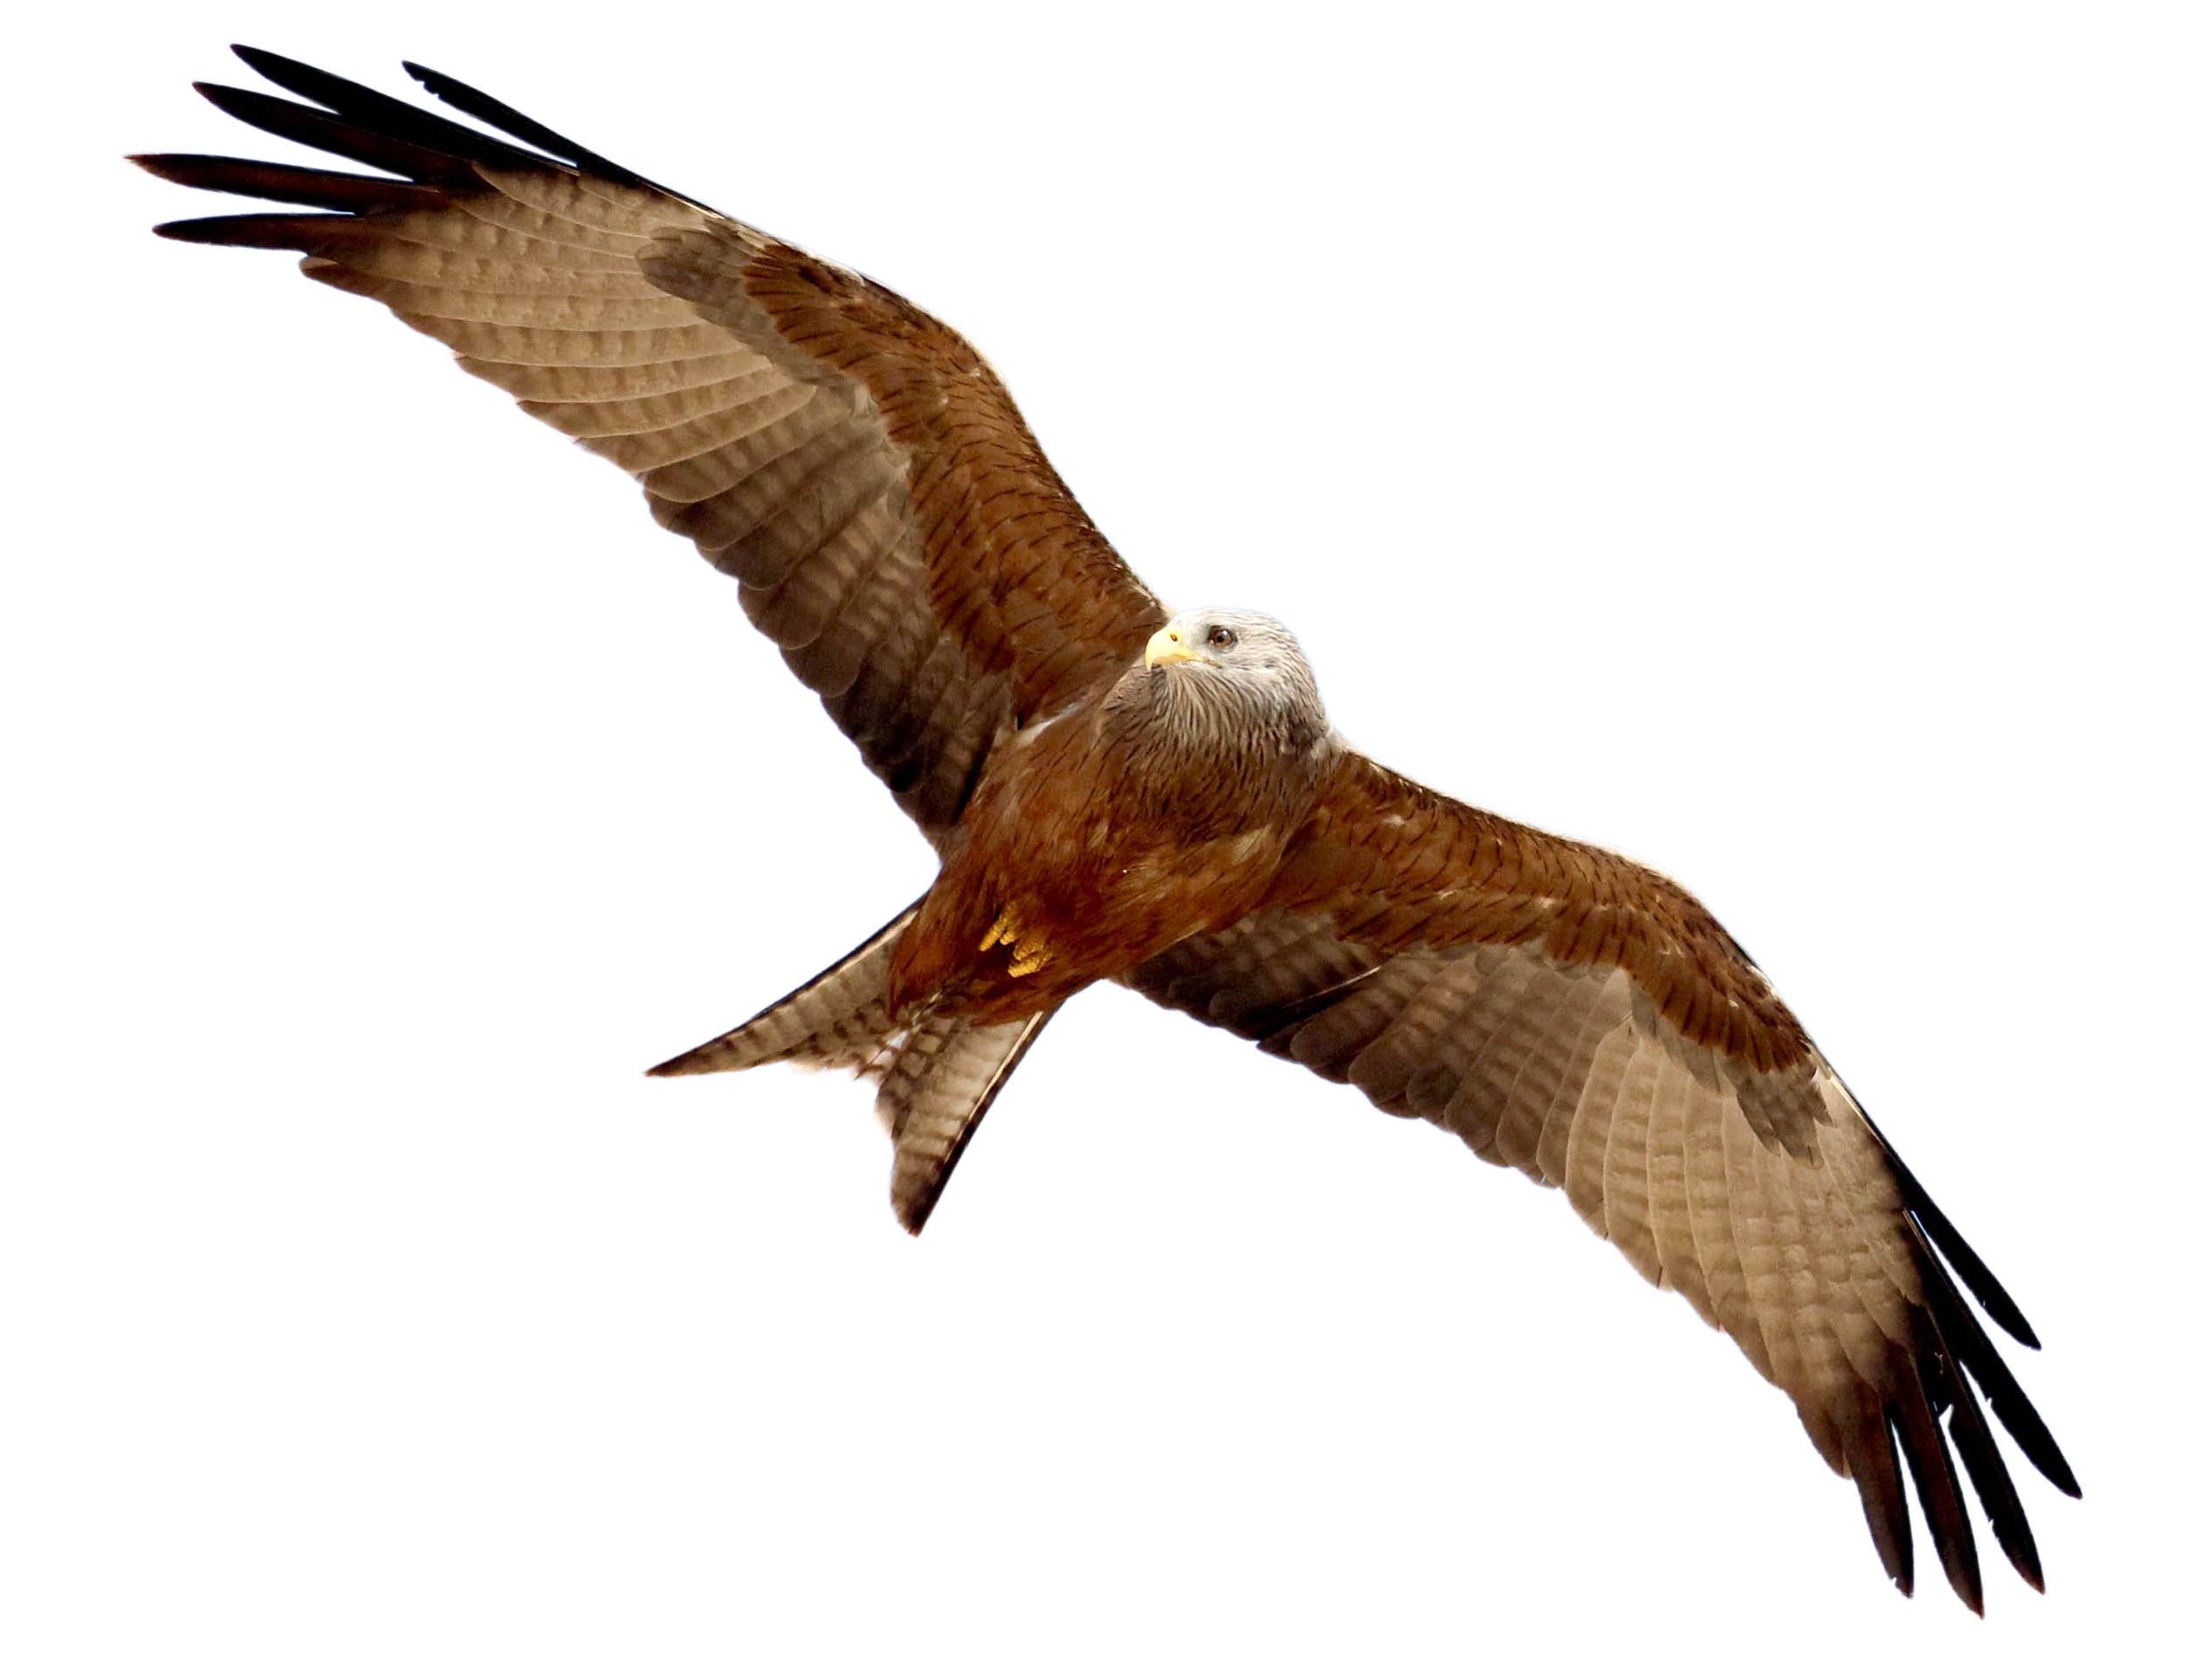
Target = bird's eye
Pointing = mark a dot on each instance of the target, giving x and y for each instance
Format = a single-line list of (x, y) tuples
[(1221, 639)]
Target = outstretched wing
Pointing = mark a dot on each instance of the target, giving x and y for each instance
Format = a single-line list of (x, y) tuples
[(1582, 1019), (853, 462)]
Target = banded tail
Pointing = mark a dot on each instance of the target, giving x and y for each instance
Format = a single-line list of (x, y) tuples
[(935, 1076)]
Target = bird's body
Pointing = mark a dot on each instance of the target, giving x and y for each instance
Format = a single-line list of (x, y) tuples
[(1160, 807), (1115, 792)]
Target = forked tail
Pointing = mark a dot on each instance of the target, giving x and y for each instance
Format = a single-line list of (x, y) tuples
[(935, 1076), (835, 1019)]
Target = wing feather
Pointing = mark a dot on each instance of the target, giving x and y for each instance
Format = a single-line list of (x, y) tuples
[(1571, 1013), (853, 462)]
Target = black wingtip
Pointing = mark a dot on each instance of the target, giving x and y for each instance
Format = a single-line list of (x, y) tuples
[(2070, 1485), (505, 117), (226, 230), (1943, 1499), (1872, 1456), (1963, 1335), (333, 93), (260, 59), (446, 88), (1966, 1261), (1973, 1271)]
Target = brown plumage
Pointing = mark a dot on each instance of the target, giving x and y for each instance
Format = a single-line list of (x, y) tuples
[(1116, 793), (1160, 807)]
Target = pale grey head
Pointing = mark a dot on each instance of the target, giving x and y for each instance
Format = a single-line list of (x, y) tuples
[(1226, 678)]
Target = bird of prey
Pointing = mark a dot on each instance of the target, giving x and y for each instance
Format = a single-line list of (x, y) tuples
[(1116, 792)]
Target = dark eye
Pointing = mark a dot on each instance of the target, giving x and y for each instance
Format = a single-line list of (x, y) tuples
[(1221, 639)]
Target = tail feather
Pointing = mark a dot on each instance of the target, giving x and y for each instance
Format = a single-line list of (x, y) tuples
[(936, 1075), (836, 1019), (935, 1091)]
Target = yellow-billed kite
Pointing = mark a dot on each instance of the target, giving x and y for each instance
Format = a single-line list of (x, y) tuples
[(1115, 792)]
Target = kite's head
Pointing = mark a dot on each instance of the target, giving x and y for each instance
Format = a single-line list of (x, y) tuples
[(1237, 642), (1239, 662)]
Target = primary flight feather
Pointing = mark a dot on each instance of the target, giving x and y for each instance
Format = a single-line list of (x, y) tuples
[(1115, 792)]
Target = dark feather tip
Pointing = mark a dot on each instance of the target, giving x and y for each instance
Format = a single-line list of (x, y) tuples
[(259, 58)]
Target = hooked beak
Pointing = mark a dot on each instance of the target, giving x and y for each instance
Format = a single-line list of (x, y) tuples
[(1166, 646)]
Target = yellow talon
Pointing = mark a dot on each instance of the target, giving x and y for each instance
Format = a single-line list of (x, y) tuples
[(1028, 953)]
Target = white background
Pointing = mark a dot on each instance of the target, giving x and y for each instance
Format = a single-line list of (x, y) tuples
[(1771, 440)]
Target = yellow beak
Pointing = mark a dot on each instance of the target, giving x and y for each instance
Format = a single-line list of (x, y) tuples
[(1166, 646)]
